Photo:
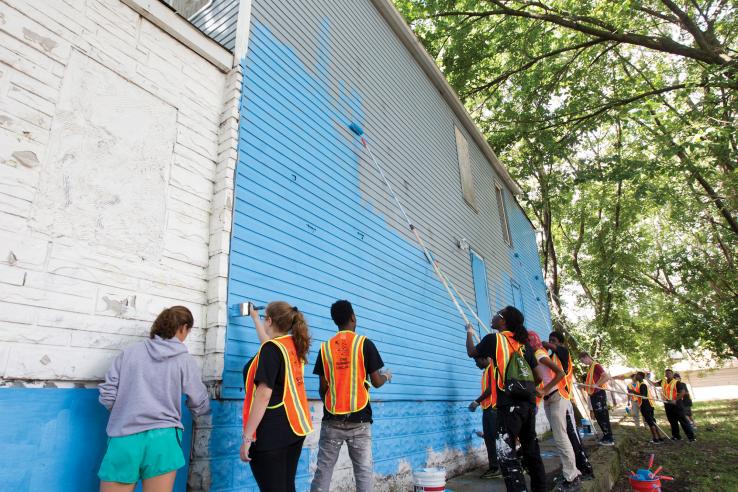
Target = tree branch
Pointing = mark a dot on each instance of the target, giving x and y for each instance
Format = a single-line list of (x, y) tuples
[(658, 43), (527, 65)]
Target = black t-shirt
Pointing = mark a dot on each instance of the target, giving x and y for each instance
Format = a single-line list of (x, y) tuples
[(372, 362), (679, 388), (563, 354), (488, 348), (274, 431), (643, 391)]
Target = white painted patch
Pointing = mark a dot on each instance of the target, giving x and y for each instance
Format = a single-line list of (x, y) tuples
[(108, 162)]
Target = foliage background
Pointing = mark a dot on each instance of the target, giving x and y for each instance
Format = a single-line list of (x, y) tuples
[(617, 118)]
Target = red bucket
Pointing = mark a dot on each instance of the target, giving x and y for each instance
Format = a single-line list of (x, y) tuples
[(645, 485)]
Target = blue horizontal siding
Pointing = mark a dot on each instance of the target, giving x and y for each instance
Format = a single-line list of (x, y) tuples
[(303, 233), (527, 272), (402, 431)]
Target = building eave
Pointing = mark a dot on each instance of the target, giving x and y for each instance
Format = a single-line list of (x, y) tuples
[(398, 25)]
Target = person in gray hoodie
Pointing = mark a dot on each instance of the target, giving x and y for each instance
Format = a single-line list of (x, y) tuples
[(143, 391)]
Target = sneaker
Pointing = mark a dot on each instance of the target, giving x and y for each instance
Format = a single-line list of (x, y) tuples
[(692, 440), (491, 473), (586, 477), (655, 441), (566, 486), (607, 442), (676, 438)]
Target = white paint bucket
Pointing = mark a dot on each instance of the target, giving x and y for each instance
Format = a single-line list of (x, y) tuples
[(430, 479)]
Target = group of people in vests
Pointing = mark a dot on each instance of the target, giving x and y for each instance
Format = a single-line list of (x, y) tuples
[(510, 403), (519, 372), (143, 389), (677, 404), (276, 415)]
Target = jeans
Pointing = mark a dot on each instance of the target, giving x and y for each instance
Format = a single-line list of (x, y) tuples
[(513, 422), (602, 415), (675, 414), (556, 407), (583, 464), (274, 470), (358, 438), (489, 428), (635, 412)]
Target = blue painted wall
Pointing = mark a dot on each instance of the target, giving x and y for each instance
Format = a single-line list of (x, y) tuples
[(402, 431), (306, 230), (527, 278), (54, 439)]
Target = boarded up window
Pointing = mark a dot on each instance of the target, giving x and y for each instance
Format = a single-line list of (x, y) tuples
[(467, 181), (503, 214)]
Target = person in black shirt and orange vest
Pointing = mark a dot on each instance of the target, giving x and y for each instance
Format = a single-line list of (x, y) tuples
[(515, 416), (276, 415), (644, 402), (556, 344), (674, 392), (345, 365), (595, 385), (488, 401)]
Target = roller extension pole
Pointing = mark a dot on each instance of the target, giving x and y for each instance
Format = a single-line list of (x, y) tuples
[(615, 391), (486, 328), (360, 133)]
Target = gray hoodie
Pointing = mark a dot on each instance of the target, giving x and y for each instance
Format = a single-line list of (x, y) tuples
[(143, 388)]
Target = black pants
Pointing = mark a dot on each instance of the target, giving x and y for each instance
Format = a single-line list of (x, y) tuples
[(602, 415), (648, 416), (583, 464), (675, 414), (275, 470), (489, 428), (515, 422)]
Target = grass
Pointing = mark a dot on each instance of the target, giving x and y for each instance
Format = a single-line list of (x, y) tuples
[(710, 464)]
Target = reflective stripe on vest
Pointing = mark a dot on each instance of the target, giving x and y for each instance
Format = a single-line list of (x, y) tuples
[(344, 369), (506, 345), (634, 387), (567, 382), (670, 391), (637, 387), (294, 397), (489, 382), (590, 381)]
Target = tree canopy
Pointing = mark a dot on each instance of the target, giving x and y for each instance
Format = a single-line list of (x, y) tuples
[(618, 119)]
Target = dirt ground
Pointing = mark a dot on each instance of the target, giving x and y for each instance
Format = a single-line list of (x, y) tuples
[(710, 464)]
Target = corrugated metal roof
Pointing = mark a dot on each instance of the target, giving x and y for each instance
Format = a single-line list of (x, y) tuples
[(218, 20)]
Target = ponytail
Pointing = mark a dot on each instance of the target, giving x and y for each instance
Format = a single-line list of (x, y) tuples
[(514, 322), (289, 319), (170, 320)]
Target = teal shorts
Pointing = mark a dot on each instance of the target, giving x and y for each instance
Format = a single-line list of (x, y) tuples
[(147, 454)]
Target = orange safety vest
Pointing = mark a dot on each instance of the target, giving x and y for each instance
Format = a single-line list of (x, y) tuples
[(590, 380), (488, 382), (343, 367), (670, 391), (294, 397), (632, 397), (506, 345), (567, 382), (637, 387)]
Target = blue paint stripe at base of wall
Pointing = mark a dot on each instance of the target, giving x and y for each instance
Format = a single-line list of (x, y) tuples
[(404, 433), (54, 439)]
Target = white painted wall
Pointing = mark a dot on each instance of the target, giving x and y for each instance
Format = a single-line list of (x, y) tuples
[(114, 184)]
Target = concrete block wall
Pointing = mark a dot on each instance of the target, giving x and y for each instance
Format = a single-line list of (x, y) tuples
[(110, 147)]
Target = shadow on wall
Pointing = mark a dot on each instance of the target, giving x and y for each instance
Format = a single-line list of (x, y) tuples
[(54, 439)]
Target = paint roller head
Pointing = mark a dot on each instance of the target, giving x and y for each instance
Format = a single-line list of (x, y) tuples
[(354, 127)]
